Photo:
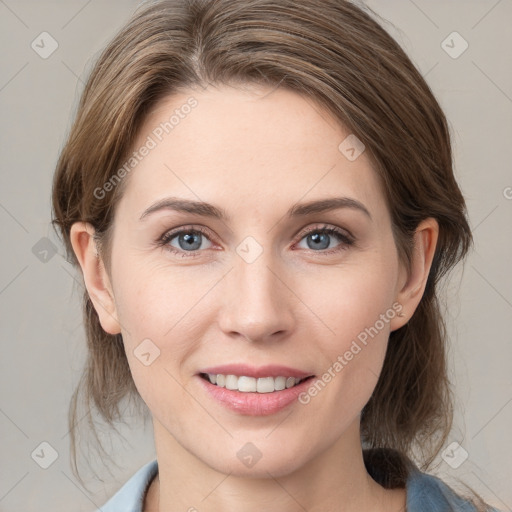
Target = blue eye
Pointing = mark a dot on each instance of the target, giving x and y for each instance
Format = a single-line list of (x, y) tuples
[(189, 241), (319, 239)]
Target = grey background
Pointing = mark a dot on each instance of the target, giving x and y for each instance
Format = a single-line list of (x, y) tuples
[(43, 346)]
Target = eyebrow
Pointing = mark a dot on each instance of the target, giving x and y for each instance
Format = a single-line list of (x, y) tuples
[(297, 210)]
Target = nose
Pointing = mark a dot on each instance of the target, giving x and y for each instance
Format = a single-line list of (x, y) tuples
[(258, 304)]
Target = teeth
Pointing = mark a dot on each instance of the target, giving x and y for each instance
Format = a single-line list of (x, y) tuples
[(246, 384), (290, 381), (265, 385), (253, 385), (280, 383), (231, 382)]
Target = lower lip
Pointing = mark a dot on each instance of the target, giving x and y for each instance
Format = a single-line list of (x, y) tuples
[(254, 404)]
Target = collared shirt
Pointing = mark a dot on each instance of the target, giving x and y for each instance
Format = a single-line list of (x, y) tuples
[(425, 493)]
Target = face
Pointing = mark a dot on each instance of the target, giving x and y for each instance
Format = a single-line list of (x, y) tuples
[(261, 286)]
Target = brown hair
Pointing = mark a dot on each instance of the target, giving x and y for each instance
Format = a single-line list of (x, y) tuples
[(336, 54)]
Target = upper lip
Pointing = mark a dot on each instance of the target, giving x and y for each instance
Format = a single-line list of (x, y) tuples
[(251, 371)]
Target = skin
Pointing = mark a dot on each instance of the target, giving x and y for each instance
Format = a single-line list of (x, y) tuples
[(254, 152)]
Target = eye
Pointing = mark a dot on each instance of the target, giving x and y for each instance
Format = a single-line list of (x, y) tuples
[(319, 239), (186, 242)]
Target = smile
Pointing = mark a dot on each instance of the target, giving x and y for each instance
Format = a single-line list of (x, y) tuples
[(246, 384)]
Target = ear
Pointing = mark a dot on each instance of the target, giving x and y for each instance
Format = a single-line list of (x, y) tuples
[(96, 278), (412, 287)]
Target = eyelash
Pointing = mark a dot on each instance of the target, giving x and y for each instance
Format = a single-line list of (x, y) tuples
[(346, 240)]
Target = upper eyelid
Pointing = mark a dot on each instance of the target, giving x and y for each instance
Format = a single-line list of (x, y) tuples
[(171, 233), (339, 230)]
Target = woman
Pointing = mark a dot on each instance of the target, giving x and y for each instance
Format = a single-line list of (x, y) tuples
[(260, 197)]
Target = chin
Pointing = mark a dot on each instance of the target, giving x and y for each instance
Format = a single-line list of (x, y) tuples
[(257, 460)]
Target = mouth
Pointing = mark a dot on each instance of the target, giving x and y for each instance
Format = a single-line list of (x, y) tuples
[(254, 391), (245, 384)]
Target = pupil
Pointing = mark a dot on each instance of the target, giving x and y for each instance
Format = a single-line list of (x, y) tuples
[(316, 237), (189, 239)]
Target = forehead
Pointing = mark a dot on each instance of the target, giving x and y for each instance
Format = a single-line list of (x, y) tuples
[(250, 146)]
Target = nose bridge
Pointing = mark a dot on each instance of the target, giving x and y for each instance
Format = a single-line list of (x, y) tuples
[(257, 302)]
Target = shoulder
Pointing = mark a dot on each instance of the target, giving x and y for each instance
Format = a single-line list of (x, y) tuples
[(429, 493), (425, 493), (130, 497)]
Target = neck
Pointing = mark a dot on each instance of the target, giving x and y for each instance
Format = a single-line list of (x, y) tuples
[(336, 479)]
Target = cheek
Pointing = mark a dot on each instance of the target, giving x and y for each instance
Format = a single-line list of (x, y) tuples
[(351, 298), (153, 299), (157, 338), (158, 308), (355, 325)]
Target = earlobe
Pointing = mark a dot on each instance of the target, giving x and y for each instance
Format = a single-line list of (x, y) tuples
[(95, 276), (411, 292)]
